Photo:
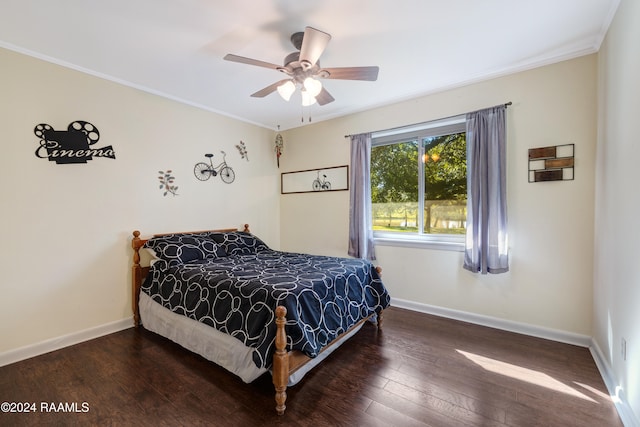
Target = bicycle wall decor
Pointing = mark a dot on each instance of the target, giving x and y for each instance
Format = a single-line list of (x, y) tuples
[(204, 171)]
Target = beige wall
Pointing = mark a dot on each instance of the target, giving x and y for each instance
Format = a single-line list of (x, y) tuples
[(66, 228), (550, 224), (617, 261)]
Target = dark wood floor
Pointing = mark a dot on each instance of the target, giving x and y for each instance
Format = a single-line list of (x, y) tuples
[(420, 370)]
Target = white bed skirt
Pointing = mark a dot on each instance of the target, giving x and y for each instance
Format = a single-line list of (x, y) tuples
[(213, 345)]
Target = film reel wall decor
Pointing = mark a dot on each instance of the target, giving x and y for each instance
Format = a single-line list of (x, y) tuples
[(74, 145)]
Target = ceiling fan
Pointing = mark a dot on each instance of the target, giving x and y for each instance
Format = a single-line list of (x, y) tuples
[(303, 69)]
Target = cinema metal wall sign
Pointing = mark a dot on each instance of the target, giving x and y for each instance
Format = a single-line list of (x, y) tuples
[(74, 145)]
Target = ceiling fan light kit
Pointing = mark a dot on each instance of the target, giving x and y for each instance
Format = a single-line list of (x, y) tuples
[(286, 89), (312, 86), (303, 69), (307, 98)]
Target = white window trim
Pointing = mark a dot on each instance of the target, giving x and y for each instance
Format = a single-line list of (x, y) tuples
[(448, 242), (420, 126)]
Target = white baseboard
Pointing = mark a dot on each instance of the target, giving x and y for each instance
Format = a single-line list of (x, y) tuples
[(57, 343), (494, 322), (615, 390)]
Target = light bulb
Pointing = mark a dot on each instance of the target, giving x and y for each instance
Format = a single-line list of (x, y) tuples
[(307, 99), (286, 90), (312, 86)]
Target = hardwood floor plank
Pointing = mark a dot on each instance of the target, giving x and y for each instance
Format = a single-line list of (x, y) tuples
[(394, 418), (421, 370), (420, 394)]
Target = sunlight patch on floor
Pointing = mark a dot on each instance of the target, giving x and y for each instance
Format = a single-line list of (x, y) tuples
[(523, 374), (594, 390)]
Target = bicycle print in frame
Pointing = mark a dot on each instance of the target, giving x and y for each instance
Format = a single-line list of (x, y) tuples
[(335, 178)]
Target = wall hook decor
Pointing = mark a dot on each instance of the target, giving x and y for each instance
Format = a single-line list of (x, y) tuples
[(204, 171), (73, 145)]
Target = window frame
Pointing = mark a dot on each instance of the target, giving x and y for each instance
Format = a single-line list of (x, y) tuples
[(418, 132)]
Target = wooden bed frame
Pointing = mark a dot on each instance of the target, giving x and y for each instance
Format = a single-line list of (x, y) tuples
[(285, 363)]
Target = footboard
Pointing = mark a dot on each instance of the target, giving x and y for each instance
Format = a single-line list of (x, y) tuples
[(286, 362)]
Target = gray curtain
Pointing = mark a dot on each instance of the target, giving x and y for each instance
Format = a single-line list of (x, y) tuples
[(486, 248), (360, 226)]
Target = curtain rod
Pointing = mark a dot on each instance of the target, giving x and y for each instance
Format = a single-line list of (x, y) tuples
[(506, 104)]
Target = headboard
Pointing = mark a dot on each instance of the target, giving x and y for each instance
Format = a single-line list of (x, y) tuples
[(139, 272)]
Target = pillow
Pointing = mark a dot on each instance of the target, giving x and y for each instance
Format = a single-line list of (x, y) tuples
[(239, 242), (153, 256), (182, 248)]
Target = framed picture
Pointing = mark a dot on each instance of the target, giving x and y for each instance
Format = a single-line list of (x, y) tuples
[(335, 178)]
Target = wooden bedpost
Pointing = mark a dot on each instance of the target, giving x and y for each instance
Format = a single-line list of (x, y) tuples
[(379, 319), (246, 228), (281, 361), (136, 277)]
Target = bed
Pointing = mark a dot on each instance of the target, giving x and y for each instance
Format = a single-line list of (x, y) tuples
[(227, 296)]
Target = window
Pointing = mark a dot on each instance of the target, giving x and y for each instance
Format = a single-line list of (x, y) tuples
[(419, 185)]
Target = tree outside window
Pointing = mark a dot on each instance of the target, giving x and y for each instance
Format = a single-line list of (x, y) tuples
[(419, 184)]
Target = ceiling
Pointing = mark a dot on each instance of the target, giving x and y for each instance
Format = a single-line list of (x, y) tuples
[(174, 48)]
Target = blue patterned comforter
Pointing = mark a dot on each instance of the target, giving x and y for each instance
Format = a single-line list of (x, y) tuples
[(238, 294)]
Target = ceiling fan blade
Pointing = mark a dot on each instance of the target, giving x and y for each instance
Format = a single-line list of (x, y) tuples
[(243, 60), (324, 97), (313, 44), (269, 89), (351, 73)]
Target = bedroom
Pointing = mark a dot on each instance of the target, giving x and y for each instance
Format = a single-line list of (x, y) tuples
[(574, 269)]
